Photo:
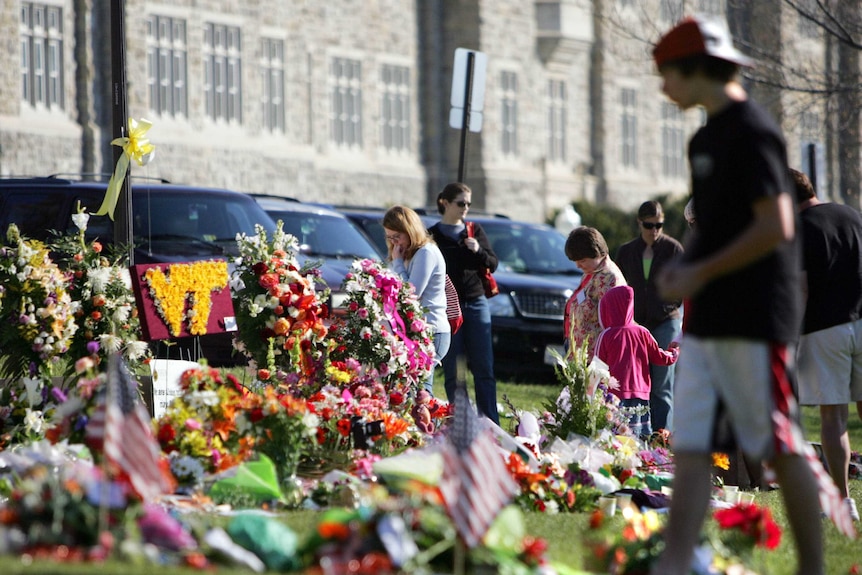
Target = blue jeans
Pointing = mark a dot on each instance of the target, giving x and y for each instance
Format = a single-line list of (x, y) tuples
[(639, 424), (474, 341), (661, 377), (442, 341)]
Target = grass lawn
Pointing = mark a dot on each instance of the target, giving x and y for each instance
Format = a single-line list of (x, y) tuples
[(562, 531)]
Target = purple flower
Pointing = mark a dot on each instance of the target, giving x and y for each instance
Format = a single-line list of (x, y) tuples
[(92, 347), (58, 394)]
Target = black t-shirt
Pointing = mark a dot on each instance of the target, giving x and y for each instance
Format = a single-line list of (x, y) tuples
[(737, 158), (832, 259)]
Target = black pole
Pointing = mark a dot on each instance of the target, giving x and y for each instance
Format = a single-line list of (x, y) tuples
[(812, 165), (465, 119), (123, 212)]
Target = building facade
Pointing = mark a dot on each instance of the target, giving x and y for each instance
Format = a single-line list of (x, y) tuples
[(348, 101)]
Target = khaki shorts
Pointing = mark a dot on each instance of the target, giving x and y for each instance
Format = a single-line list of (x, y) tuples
[(830, 365), (740, 374)]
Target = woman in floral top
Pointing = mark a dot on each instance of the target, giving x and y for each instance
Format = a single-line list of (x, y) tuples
[(587, 248)]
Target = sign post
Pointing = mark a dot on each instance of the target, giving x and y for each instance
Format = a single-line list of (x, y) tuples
[(468, 98)]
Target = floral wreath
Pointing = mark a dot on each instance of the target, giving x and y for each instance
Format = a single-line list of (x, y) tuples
[(189, 282), (37, 313), (107, 314), (279, 311), (384, 328)]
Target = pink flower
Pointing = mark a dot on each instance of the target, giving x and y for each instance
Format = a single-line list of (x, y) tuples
[(193, 424)]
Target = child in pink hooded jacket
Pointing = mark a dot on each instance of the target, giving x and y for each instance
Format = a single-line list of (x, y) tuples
[(629, 348)]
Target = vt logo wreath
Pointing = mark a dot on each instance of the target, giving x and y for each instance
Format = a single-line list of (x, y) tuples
[(194, 282)]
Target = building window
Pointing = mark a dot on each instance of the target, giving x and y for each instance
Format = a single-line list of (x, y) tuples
[(41, 33), (272, 84), (557, 113), (345, 115), (395, 108), (166, 65), (629, 127), (670, 10), (509, 112), (672, 141), (222, 55), (712, 7)]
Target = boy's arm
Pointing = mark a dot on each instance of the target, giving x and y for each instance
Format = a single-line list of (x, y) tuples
[(773, 224)]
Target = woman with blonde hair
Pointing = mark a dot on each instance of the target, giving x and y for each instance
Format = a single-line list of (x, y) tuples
[(416, 258)]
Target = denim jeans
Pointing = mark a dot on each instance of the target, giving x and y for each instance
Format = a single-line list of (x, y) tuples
[(442, 341), (661, 378), (474, 341)]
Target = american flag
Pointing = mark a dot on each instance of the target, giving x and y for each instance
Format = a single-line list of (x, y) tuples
[(123, 429), (475, 484)]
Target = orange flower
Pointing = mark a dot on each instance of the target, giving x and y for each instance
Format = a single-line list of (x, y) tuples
[(331, 530), (394, 425)]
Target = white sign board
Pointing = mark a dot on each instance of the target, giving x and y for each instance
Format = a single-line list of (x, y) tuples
[(459, 87), (166, 382)]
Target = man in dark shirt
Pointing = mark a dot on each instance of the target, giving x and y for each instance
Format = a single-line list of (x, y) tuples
[(830, 349)]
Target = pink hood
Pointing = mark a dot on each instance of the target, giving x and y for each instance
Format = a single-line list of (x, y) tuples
[(617, 307)]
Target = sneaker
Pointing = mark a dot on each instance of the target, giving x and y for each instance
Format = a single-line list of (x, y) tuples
[(851, 506)]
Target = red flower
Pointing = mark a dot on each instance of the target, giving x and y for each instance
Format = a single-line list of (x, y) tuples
[(343, 426), (396, 398), (754, 521)]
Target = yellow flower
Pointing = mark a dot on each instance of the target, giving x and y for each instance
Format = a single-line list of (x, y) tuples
[(721, 460)]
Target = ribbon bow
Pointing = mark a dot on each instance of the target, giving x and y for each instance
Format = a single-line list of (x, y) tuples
[(136, 146)]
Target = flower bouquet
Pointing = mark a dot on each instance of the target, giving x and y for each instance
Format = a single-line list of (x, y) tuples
[(100, 283), (384, 328), (629, 548), (210, 421), (742, 528), (553, 487), (37, 313), (280, 314), (584, 406), (284, 428)]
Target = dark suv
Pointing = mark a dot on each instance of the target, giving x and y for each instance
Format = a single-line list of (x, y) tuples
[(535, 279), (171, 223)]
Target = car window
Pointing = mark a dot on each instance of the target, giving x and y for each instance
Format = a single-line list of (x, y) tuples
[(34, 212), (526, 248), (325, 235)]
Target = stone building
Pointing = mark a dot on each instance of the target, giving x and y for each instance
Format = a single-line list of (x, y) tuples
[(348, 101)]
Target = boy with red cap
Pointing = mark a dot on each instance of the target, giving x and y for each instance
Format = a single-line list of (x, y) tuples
[(741, 273)]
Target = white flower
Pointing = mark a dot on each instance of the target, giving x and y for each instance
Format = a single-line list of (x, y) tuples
[(121, 313), (80, 220), (136, 350), (110, 342), (33, 421), (99, 278), (199, 399)]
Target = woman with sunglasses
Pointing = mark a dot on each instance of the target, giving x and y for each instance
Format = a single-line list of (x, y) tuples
[(641, 261), (415, 257), (465, 256)]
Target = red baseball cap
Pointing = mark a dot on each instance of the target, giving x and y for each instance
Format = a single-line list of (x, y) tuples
[(697, 35)]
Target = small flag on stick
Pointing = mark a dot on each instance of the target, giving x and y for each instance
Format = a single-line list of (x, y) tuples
[(122, 426), (475, 484)]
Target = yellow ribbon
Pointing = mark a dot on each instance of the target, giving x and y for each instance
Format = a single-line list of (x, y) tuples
[(137, 147)]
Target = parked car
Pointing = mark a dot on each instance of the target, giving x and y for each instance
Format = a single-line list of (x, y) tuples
[(535, 279), (324, 235), (171, 223)]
